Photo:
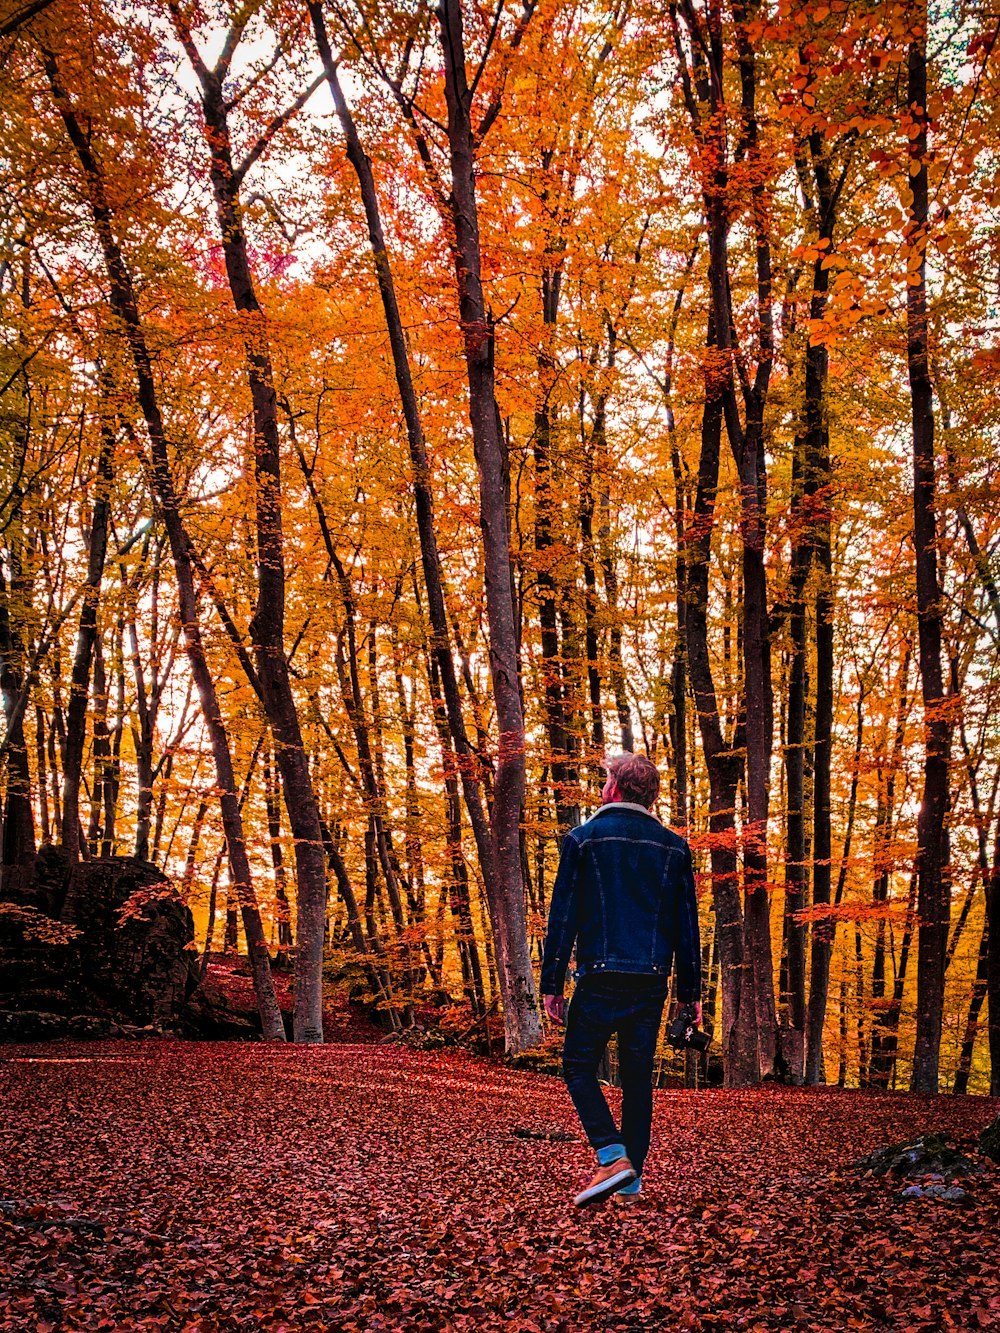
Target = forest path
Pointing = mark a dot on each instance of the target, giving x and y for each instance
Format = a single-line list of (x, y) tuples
[(198, 1186)]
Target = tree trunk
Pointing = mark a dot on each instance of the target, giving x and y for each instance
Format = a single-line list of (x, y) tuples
[(18, 849), (565, 782), (521, 1024), (933, 888), (993, 967), (123, 305), (796, 873), (506, 890), (271, 797), (142, 745), (100, 749), (705, 99), (883, 1070), (976, 999), (739, 1048), (267, 626)]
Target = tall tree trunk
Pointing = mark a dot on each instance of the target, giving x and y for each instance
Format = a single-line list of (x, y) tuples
[(796, 872), (267, 626), (812, 555), (506, 911), (142, 744), (100, 748), (43, 795), (976, 999), (747, 444), (933, 888), (124, 307), (517, 983), (993, 967), (883, 1071), (18, 848), (739, 1047), (679, 669), (704, 96), (271, 797), (815, 555), (565, 783)]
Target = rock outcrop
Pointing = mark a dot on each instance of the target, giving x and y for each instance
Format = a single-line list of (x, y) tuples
[(106, 946)]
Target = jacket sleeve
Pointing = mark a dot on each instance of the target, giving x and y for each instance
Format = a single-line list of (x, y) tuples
[(561, 933), (687, 955)]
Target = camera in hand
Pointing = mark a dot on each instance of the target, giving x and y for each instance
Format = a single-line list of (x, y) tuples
[(684, 1033)]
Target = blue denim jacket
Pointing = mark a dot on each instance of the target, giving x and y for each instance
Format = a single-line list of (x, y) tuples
[(625, 895)]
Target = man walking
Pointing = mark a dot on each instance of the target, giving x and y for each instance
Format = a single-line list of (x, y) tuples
[(625, 896)]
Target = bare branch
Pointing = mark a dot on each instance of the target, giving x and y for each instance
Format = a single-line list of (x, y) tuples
[(493, 110), (276, 125)]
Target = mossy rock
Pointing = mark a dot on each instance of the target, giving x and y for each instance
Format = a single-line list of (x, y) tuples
[(929, 1155)]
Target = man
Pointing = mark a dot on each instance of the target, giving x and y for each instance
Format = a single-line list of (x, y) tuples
[(625, 895)]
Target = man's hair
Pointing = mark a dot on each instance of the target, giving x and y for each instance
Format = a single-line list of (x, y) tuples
[(635, 777)]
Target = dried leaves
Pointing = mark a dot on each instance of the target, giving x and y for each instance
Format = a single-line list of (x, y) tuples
[(210, 1187)]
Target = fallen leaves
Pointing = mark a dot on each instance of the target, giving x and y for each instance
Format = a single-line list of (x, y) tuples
[(210, 1187)]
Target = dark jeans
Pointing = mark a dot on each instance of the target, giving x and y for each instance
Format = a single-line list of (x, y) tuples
[(632, 1006)]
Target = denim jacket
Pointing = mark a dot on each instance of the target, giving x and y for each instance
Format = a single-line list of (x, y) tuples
[(625, 895)]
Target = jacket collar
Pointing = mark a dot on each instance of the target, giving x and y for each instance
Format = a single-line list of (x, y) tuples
[(632, 806)]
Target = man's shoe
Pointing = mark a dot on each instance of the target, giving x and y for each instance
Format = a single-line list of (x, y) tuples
[(606, 1180), (627, 1195)]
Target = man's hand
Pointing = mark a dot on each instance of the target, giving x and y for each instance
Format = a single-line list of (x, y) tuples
[(555, 1007), (697, 1011)]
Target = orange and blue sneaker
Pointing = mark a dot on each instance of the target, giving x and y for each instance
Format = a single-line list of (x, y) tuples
[(607, 1180)]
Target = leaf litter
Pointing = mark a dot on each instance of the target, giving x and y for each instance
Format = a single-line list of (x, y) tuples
[(211, 1186)]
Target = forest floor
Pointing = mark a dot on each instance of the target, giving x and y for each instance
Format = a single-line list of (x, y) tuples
[(208, 1186)]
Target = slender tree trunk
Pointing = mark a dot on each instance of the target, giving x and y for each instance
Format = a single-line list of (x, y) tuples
[(521, 1012), (565, 781), (142, 746), (976, 999), (100, 748), (18, 848), (679, 669), (883, 1015), (796, 872), (588, 561), (213, 898), (933, 888), (43, 795), (113, 781), (267, 626), (458, 880), (499, 851), (191, 859), (822, 850), (993, 967), (519, 1032), (883, 1072), (739, 1049), (272, 799), (412, 841), (125, 310)]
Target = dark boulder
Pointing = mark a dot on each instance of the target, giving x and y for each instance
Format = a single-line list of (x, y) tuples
[(110, 941)]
